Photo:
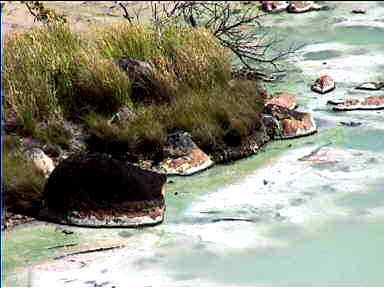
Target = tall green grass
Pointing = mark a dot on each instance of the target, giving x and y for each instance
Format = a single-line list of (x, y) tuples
[(23, 184), (52, 75)]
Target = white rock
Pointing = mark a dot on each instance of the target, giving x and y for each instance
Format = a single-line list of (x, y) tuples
[(41, 161)]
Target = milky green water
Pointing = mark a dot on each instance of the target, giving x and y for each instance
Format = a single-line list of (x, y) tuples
[(308, 224)]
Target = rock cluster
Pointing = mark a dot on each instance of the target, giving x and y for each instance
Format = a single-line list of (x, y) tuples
[(287, 124), (291, 6), (283, 122)]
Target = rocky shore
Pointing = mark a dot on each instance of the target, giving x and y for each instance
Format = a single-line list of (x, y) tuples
[(85, 174)]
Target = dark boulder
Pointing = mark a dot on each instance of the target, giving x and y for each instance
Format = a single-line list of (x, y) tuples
[(97, 190), (359, 11)]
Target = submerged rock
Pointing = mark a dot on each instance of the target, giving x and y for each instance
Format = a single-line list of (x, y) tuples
[(284, 100), (351, 123), (359, 11), (41, 161), (97, 190), (323, 85), (286, 124), (371, 86), (183, 156), (304, 6), (326, 155), (370, 103)]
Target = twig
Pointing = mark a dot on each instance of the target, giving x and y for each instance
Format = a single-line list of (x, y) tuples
[(65, 245), (89, 251)]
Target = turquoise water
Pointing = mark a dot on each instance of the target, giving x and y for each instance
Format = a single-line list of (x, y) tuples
[(272, 219)]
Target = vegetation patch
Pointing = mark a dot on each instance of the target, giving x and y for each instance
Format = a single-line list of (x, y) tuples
[(55, 78), (23, 184), (49, 82)]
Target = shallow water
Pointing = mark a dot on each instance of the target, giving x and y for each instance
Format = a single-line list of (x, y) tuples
[(269, 219)]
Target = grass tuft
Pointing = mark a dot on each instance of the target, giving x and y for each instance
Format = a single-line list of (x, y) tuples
[(23, 184)]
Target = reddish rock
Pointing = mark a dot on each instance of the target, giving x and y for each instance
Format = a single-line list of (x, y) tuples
[(323, 85), (303, 7), (286, 124), (302, 126), (370, 103), (274, 6), (284, 100), (184, 157)]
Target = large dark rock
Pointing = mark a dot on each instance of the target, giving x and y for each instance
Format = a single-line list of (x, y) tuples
[(97, 190)]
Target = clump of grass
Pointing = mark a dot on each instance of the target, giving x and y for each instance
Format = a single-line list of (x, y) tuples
[(124, 40), (99, 85), (52, 75), (142, 138), (54, 132), (33, 62), (50, 70), (214, 118), (197, 58), (23, 184), (188, 56)]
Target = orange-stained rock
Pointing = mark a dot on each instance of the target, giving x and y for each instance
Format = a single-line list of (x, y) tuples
[(285, 100), (274, 6), (303, 7), (184, 157), (324, 84), (370, 103), (283, 123), (298, 127)]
